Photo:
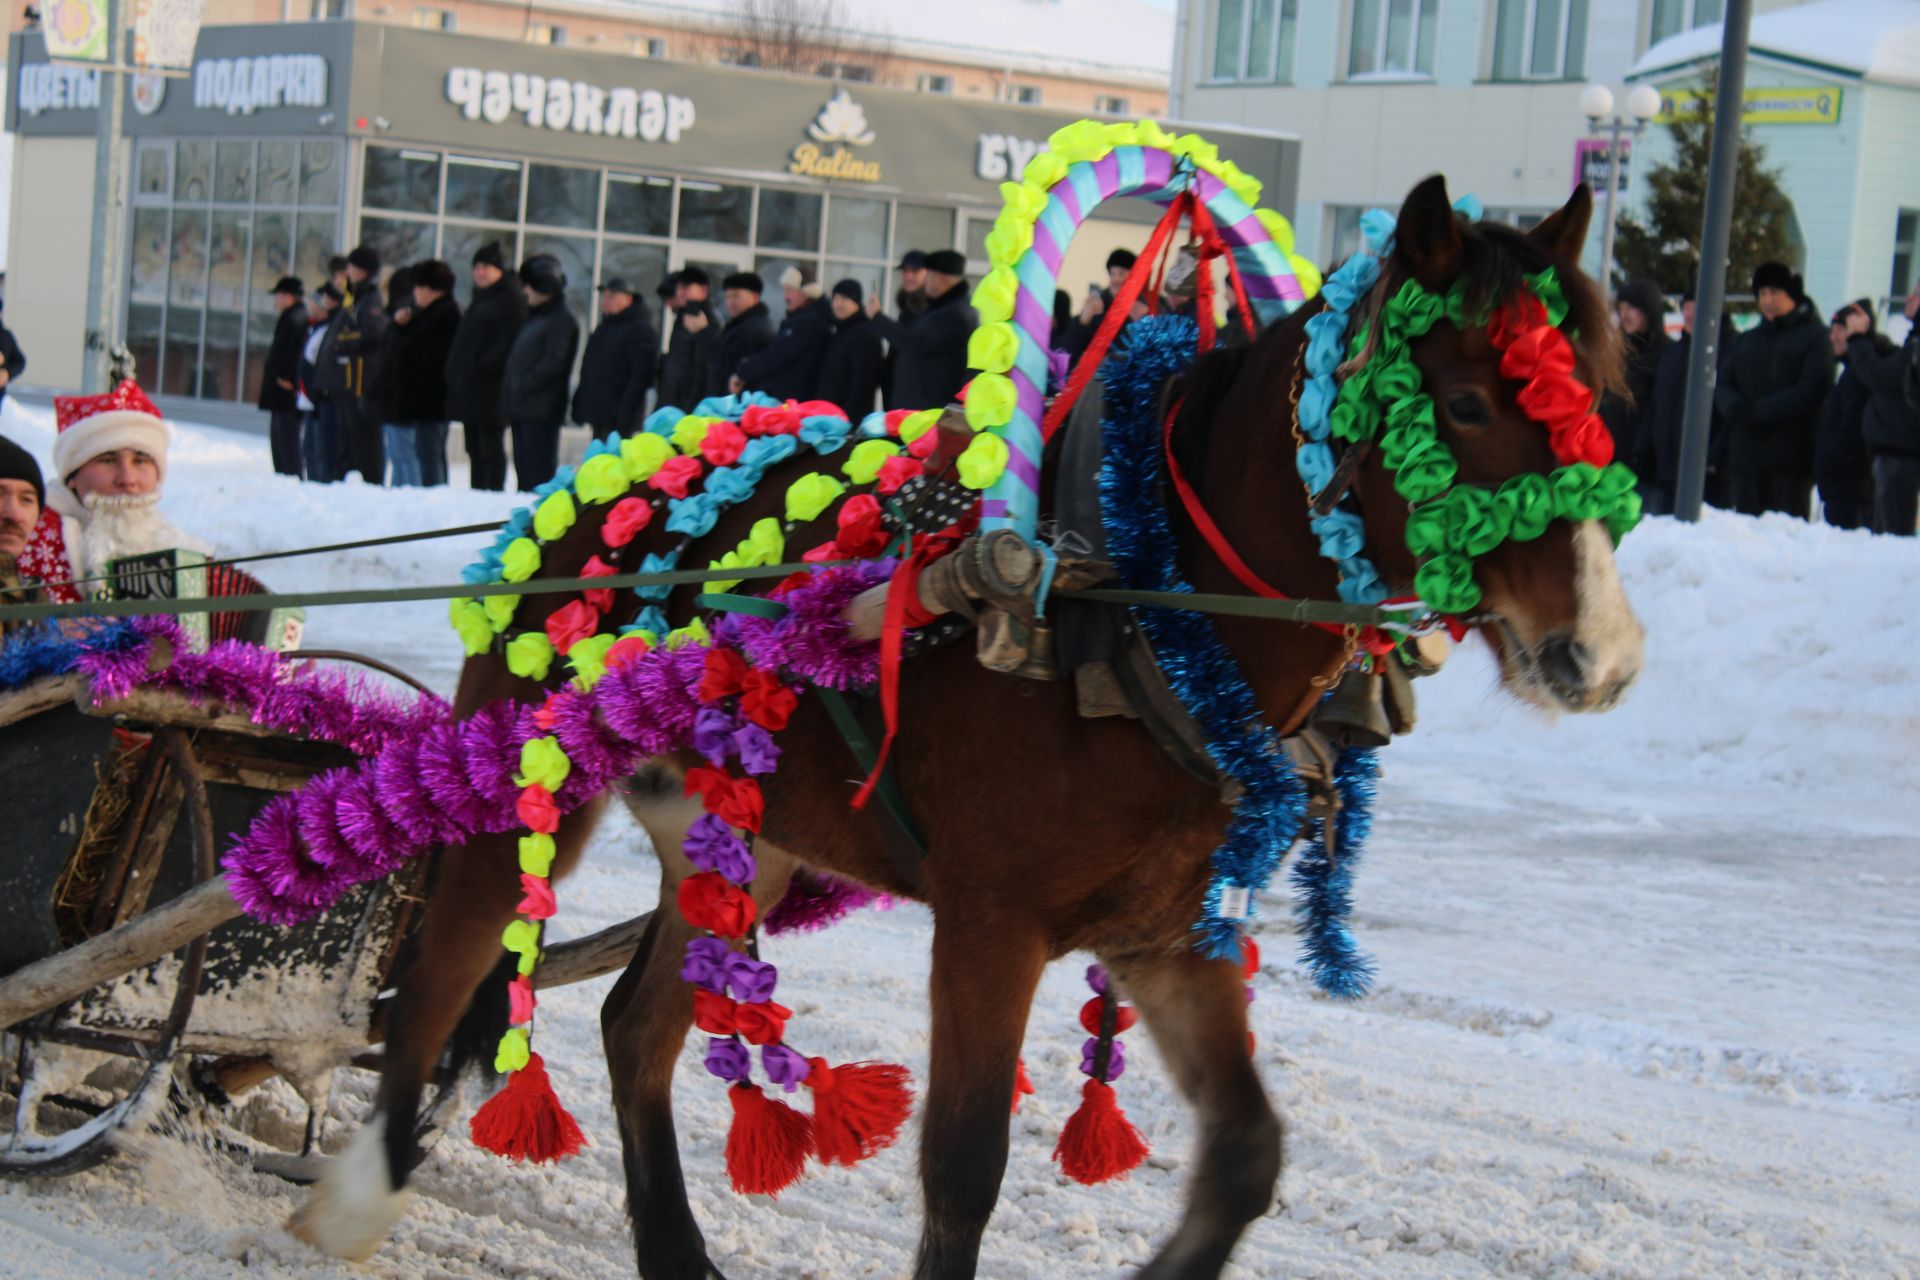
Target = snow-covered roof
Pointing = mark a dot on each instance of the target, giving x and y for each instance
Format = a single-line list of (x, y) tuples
[(1124, 39), (1872, 39)]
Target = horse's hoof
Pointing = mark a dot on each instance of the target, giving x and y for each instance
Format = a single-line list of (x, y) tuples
[(351, 1210)]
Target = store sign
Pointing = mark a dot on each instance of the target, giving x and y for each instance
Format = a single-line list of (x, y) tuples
[(1808, 105), (45, 87), (572, 106), (842, 123), (242, 86), (1003, 157), (1591, 161)]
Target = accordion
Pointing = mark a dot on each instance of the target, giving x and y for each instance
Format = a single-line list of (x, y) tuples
[(181, 574)]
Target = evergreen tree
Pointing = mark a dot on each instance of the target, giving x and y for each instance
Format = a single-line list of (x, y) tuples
[(1665, 247)]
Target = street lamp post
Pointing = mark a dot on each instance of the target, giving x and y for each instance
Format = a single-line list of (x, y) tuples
[(1643, 104)]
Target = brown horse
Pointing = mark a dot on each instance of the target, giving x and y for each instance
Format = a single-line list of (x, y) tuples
[(1049, 833)]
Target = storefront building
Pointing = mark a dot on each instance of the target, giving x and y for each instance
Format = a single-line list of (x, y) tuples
[(289, 143)]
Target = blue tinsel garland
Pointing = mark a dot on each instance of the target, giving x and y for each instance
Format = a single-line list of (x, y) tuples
[(1205, 676), (47, 651)]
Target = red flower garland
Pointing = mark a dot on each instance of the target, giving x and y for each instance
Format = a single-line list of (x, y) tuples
[(1534, 352)]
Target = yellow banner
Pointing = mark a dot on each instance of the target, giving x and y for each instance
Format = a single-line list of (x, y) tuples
[(1807, 105)]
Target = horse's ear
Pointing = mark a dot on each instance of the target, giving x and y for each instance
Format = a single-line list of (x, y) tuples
[(1564, 232), (1427, 239)]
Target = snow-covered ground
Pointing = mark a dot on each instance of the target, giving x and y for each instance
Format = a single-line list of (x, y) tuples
[(1647, 1003)]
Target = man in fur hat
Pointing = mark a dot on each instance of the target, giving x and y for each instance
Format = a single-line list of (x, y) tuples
[(110, 457), (788, 368)]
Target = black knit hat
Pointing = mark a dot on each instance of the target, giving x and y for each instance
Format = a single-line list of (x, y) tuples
[(489, 255), (1122, 258), (850, 290), (365, 258), (291, 286), (948, 262), (433, 274), (1777, 275), (17, 464), (748, 280), (331, 292)]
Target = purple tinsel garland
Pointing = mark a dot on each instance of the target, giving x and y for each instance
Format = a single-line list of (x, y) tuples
[(440, 782)]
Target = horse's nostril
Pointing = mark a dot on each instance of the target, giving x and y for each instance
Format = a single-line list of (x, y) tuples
[(1566, 662)]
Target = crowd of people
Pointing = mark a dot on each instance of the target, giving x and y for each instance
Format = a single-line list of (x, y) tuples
[(361, 378), (1798, 408)]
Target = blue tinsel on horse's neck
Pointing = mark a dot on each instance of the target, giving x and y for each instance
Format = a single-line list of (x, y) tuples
[(1209, 682)]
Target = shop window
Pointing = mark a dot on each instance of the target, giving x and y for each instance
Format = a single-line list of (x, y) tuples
[(428, 18), (788, 220), (401, 178), (1254, 40), (276, 172), (151, 246), (642, 264), (930, 83), (1540, 40), (639, 206), (977, 229), (233, 172), (546, 33), (857, 227), (192, 171), (1027, 95), (1906, 252), (459, 241), (1393, 38), (180, 352), (925, 227), (187, 259), (712, 211), (400, 242), (152, 170), (320, 172), (1671, 17), (316, 238), (563, 196), (478, 188), (272, 259), (220, 357), (227, 259), (1343, 233), (143, 340)]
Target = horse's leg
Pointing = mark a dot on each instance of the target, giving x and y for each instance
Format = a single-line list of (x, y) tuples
[(475, 888), (644, 1025), (1196, 1010), (984, 974)]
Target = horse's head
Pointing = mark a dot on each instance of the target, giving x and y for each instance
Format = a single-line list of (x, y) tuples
[(1549, 599)]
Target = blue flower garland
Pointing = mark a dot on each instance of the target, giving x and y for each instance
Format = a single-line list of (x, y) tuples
[(1206, 678)]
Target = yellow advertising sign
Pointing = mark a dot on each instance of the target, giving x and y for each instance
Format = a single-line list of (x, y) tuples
[(1803, 105)]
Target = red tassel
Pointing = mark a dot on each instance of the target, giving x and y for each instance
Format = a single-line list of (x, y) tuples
[(767, 1147), (1022, 1086), (1099, 1142), (857, 1109), (525, 1121)]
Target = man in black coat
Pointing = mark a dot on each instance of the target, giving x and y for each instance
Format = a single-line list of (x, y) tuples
[(1656, 456), (788, 368), (477, 362), (618, 366), (1891, 423), (1640, 309), (851, 375), (534, 394), (749, 330), (421, 399), (13, 361), (692, 362), (359, 327), (1781, 371), (1842, 463), (931, 363), (280, 375), (1079, 334)]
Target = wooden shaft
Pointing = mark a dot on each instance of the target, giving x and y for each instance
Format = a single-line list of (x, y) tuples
[(46, 984), (603, 952)]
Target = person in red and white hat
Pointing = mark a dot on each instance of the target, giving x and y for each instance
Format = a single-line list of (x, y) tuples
[(110, 460)]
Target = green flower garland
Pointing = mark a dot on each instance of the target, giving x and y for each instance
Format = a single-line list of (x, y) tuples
[(1452, 525)]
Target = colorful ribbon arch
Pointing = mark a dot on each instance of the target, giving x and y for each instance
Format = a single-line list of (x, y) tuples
[(1086, 164)]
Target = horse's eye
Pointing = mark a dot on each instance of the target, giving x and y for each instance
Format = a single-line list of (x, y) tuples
[(1468, 409)]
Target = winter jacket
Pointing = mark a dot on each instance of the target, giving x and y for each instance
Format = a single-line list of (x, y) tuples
[(788, 368), (308, 391), (1891, 423), (534, 392), (616, 372), (851, 374), (746, 335), (908, 307), (359, 329), (1656, 455), (688, 369), (283, 361), (421, 385), (1781, 372), (1626, 415), (932, 365), (477, 361), (1842, 464)]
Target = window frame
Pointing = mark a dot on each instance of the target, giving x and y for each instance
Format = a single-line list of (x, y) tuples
[(1024, 95), (436, 18), (1380, 73), (1285, 12), (934, 82), (556, 34), (1111, 104), (1689, 20), (1908, 248), (1526, 74)]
